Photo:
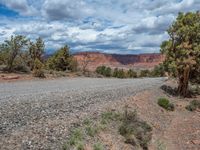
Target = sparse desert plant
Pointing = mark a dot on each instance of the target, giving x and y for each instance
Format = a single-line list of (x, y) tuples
[(80, 146), (161, 145), (66, 147), (87, 121), (131, 74), (98, 146), (106, 117), (165, 103), (76, 137), (144, 73), (121, 73), (193, 105), (38, 69), (91, 130), (105, 71), (158, 71), (115, 72), (135, 131)]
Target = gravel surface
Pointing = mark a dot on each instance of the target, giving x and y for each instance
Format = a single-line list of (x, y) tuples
[(38, 114)]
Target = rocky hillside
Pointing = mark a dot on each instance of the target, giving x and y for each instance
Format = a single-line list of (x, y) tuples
[(141, 61)]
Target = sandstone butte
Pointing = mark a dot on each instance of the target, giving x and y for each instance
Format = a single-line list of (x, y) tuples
[(140, 61)]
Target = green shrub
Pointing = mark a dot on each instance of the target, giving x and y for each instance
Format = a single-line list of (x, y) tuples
[(171, 107), (135, 130), (98, 146), (80, 146), (131, 74), (108, 72), (115, 73), (91, 131), (158, 71), (105, 71), (121, 73), (108, 116), (22, 68), (66, 147), (87, 121), (62, 60), (144, 73), (38, 69), (161, 145), (76, 137), (193, 105), (163, 102)]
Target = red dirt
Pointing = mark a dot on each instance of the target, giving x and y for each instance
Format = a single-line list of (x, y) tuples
[(176, 130)]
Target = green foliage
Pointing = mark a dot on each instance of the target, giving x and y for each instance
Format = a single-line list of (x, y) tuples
[(4, 54), (131, 74), (62, 60), (144, 73), (36, 51), (121, 73), (182, 50), (108, 72), (91, 130), (105, 71), (158, 71), (66, 147), (87, 121), (106, 117), (12, 49), (134, 130), (38, 69), (76, 137), (98, 146), (161, 145), (193, 105), (163, 102), (100, 69), (80, 146), (115, 72)]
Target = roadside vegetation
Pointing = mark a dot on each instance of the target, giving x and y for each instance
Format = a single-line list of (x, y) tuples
[(20, 54), (193, 105), (165, 103), (158, 71), (182, 51), (135, 131)]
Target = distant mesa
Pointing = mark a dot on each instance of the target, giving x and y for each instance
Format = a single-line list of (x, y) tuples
[(140, 61)]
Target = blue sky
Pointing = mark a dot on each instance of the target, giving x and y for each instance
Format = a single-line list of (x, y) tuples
[(111, 26)]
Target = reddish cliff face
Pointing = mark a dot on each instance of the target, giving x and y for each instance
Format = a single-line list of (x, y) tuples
[(95, 59)]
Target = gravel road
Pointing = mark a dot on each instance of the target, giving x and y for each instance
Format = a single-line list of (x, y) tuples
[(38, 114)]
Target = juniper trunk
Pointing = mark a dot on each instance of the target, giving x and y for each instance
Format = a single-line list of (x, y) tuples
[(183, 82)]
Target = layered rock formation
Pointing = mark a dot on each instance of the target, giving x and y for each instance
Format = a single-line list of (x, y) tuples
[(141, 61)]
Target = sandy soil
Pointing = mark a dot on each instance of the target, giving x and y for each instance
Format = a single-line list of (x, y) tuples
[(175, 130)]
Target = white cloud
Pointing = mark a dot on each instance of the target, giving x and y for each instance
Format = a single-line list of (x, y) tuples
[(65, 9), (20, 6), (106, 25)]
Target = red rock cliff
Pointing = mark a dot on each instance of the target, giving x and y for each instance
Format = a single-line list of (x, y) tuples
[(95, 59)]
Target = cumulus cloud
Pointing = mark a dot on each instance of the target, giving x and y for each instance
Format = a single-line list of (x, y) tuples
[(65, 9), (114, 26), (20, 6)]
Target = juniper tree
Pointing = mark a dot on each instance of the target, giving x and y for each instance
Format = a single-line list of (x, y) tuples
[(36, 50), (13, 47), (182, 49)]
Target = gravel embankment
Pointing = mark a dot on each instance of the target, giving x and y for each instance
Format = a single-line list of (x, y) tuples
[(38, 114)]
